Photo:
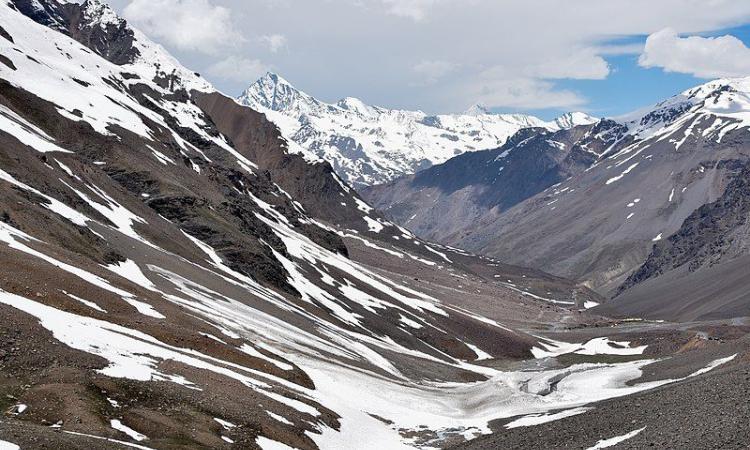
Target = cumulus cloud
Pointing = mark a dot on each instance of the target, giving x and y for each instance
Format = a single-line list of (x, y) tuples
[(432, 54), (274, 42), (238, 69), (703, 57), (196, 25), (432, 71), (532, 85), (580, 64)]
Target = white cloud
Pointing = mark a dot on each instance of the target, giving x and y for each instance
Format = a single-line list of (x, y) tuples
[(518, 93), (196, 25), (432, 71), (412, 9), (274, 42), (620, 49), (394, 52), (238, 69), (531, 84), (712, 57), (577, 64)]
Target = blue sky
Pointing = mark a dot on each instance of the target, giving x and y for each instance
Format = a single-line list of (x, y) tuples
[(627, 88), (442, 56), (630, 87)]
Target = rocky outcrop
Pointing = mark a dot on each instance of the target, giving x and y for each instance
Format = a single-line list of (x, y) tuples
[(714, 233)]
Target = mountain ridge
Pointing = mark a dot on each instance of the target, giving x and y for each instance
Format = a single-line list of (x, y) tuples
[(656, 166), (370, 145)]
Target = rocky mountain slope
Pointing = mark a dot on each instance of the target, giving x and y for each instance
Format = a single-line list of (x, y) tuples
[(369, 145), (595, 221), (699, 272), (173, 277), (448, 199)]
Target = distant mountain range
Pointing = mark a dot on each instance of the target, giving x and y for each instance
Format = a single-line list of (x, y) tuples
[(368, 145), (614, 205)]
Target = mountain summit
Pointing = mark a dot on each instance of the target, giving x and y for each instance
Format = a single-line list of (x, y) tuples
[(274, 93), (478, 109), (369, 145), (574, 119)]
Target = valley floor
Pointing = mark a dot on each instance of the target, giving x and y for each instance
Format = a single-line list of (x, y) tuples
[(591, 379), (676, 386), (710, 411)]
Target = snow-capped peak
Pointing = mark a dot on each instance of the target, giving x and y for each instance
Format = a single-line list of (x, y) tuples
[(574, 119), (564, 122), (478, 109), (273, 79), (369, 145), (96, 11), (356, 105), (725, 98), (273, 92)]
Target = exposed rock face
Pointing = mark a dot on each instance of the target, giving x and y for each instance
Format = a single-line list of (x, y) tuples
[(700, 271), (315, 186), (714, 233), (91, 23)]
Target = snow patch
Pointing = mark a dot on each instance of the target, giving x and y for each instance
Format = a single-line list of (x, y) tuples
[(225, 424), (611, 442), (597, 346), (88, 303), (373, 225), (5, 445), (538, 419), (481, 354), (134, 435), (131, 272), (26, 132), (268, 444), (713, 365), (625, 172)]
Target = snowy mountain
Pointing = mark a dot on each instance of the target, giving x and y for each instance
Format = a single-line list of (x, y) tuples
[(572, 119), (596, 204), (172, 276), (368, 145)]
